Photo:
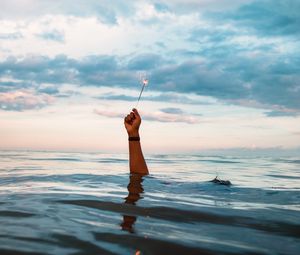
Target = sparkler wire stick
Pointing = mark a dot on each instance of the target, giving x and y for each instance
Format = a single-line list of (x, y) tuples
[(145, 83)]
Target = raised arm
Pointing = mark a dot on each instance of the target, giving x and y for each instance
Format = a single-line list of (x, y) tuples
[(137, 162)]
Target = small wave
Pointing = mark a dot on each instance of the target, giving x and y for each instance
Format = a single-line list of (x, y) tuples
[(153, 246), (15, 214), (112, 160), (290, 161), (59, 240), (297, 161), (179, 215), (16, 252), (56, 159), (67, 178), (218, 161), (284, 176)]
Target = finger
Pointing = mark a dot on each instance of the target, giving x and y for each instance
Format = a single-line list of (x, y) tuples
[(136, 112), (132, 115), (127, 118)]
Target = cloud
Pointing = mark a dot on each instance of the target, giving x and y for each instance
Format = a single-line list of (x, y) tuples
[(11, 36), (11, 85), (268, 17), (23, 100), (109, 114), (120, 97), (188, 6), (105, 10), (282, 114), (50, 90), (170, 117), (246, 52), (172, 110), (108, 11), (234, 79), (161, 97), (53, 35), (153, 116), (144, 62)]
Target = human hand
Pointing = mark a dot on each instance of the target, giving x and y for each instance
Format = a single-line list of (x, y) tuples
[(132, 123)]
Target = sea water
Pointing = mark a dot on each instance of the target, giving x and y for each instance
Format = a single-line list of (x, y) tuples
[(86, 203)]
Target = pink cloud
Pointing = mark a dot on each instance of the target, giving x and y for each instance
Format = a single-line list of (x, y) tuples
[(23, 100), (109, 114), (155, 116)]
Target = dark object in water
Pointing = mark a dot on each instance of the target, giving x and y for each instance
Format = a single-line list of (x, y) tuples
[(221, 182)]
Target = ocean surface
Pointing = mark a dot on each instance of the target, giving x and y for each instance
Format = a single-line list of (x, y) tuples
[(87, 203)]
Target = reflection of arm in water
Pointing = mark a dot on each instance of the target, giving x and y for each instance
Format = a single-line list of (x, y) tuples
[(137, 162), (135, 189)]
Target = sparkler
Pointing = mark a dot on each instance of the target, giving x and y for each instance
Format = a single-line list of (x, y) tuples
[(144, 82)]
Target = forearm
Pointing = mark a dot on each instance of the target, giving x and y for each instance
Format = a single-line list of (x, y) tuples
[(137, 163)]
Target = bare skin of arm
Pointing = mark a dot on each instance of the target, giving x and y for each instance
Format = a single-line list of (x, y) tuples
[(137, 163)]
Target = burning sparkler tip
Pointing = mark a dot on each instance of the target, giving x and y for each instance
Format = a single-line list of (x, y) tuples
[(145, 82)]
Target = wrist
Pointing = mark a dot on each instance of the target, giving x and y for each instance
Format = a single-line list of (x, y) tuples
[(133, 134)]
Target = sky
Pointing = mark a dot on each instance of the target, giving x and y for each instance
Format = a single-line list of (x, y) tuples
[(223, 74)]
